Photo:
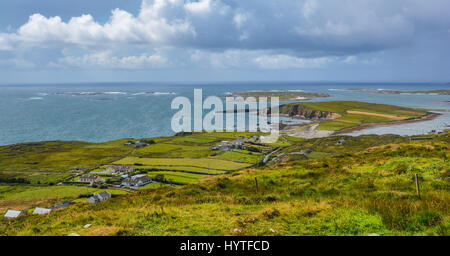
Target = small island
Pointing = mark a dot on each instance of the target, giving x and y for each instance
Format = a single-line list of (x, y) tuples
[(379, 91), (338, 117), (291, 95)]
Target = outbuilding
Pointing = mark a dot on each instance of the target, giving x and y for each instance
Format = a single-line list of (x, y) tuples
[(99, 197), (41, 210), (12, 214)]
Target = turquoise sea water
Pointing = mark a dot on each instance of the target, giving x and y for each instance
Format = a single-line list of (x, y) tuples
[(102, 112)]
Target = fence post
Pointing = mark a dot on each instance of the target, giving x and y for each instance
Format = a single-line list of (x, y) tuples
[(256, 184), (417, 185)]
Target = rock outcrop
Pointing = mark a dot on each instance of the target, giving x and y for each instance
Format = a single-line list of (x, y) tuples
[(302, 111)]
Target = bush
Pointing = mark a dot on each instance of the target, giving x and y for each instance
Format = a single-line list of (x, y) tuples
[(160, 178), (271, 213), (429, 219), (401, 169), (271, 198), (85, 195), (310, 192), (15, 180)]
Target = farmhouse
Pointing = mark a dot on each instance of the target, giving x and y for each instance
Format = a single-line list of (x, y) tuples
[(60, 206), (99, 197), (11, 214), (90, 178), (79, 169), (254, 138), (224, 145), (227, 146), (341, 142), (238, 143), (41, 210), (137, 181), (119, 168), (140, 143)]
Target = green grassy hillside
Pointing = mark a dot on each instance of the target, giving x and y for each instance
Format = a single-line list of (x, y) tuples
[(47, 162), (353, 189), (30, 172)]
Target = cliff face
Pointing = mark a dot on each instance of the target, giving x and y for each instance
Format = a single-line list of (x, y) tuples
[(302, 111)]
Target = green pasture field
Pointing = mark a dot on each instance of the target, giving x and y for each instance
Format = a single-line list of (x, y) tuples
[(195, 162), (242, 157), (177, 177), (51, 161), (181, 168)]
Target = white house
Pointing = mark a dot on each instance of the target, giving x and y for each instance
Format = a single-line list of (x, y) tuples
[(41, 210), (137, 181), (11, 214)]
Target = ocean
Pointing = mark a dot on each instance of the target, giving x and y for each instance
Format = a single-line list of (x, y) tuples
[(106, 111)]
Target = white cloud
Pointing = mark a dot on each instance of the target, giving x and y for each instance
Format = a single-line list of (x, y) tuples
[(105, 60), (359, 60), (229, 33), (226, 59), (350, 59), (309, 7), (79, 30), (280, 61), (200, 7), (216, 23), (4, 42), (239, 19), (256, 59), (150, 27)]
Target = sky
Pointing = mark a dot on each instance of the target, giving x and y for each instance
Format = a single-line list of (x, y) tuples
[(54, 41)]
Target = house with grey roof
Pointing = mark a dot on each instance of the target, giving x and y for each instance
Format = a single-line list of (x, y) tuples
[(99, 197), (117, 168), (61, 205), (90, 178), (79, 169), (341, 142), (12, 214), (137, 181), (41, 210)]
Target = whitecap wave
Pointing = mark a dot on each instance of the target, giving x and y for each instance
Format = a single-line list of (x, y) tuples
[(90, 93), (115, 93), (340, 90), (161, 93)]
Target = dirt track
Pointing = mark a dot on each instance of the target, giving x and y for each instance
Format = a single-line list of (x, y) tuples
[(375, 114)]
